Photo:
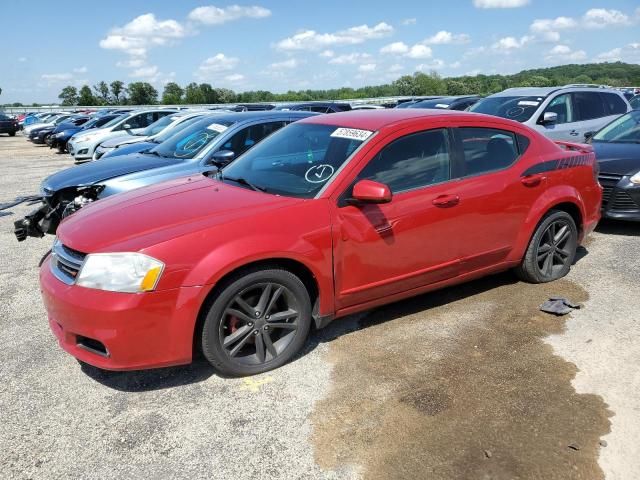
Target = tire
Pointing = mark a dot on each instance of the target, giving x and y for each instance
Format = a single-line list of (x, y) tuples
[(239, 340), (551, 250), (12, 134)]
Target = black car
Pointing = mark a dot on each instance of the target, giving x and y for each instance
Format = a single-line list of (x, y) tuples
[(617, 148), (318, 107), (8, 125), (461, 102)]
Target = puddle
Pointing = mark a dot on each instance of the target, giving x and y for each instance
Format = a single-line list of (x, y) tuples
[(459, 384)]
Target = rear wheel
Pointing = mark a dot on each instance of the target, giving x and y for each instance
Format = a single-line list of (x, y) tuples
[(258, 322), (551, 250), (12, 134)]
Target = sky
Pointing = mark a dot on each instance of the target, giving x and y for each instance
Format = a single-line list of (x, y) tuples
[(280, 45)]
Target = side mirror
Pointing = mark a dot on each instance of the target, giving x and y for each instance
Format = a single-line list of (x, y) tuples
[(588, 136), (222, 158), (549, 118), (368, 191), (126, 126)]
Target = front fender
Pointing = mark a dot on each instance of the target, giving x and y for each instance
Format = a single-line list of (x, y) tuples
[(550, 198)]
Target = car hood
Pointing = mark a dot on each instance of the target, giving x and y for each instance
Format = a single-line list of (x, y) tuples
[(101, 170), (147, 216), (618, 158), (122, 140)]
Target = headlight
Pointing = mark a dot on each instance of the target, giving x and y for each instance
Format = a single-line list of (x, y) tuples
[(120, 272), (636, 179), (60, 135)]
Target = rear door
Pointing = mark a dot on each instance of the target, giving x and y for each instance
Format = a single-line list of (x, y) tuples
[(566, 127), (591, 112)]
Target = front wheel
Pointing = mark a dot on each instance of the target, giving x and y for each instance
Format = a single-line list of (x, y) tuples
[(258, 322), (12, 134), (551, 250)]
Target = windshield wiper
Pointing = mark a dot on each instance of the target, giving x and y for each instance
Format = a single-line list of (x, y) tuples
[(241, 181)]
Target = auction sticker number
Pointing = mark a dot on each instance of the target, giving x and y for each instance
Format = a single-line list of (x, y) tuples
[(216, 127), (351, 134), (319, 173)]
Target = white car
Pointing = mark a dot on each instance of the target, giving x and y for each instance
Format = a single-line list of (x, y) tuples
[(49, 122), (82, 145), (149, 134)]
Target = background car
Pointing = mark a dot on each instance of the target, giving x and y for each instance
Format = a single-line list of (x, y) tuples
[(317, 107), (65, 131), (560, 113), (447, 103), (83, 144), (617, 148), (8, 125), (205, 145), (635, 102)]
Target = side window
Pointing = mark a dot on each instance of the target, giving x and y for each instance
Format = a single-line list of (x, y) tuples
[(3, 117), (487, 149), (589, 105), (562, 106), (248, 137), (614, 103), (413, 161), (321, 109), (158, 115)]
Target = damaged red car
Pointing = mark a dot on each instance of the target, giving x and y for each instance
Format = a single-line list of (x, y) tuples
[(328, 216)]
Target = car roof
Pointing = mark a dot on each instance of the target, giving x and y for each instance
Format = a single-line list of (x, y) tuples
[(241, 117), (544, 91), (377, 119)]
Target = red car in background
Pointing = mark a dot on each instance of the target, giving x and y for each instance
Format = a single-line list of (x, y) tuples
[(328, 216)]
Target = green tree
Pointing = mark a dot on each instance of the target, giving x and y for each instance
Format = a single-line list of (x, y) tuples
[(172, 94), (193, 95), (117, 89), (102, 92), (225, 95), (69, 96), (208, 93), (85, 97), (142, 93)]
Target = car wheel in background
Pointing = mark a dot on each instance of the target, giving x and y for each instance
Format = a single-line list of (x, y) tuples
[(258, 321), (12, 134), (551, 250)]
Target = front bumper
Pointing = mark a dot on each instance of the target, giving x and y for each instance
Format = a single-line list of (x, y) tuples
[(100, 152), (620, 198), (80, 151), (122, 331)]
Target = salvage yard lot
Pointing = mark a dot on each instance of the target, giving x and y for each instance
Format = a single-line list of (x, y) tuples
[(469, 382)]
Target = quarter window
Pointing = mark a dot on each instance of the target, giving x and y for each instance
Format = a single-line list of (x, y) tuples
[(487, 149), (414, 161), (562, 106), (589, 105), (615, 104)]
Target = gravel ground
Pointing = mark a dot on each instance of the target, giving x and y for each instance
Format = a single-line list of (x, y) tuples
[(472, 385)]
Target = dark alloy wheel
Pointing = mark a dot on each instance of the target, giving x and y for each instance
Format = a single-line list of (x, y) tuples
[(551, 250), (258, 322)]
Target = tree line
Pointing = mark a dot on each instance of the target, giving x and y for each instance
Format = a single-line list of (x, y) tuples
[(616, 74)]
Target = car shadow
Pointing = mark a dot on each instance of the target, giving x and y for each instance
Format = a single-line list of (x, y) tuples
[(613, 227)]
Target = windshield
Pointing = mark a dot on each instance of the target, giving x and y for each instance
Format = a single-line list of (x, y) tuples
[(435, 103), (192, 140), (169, 132), (625, 129), (297, 160), (519, 109), (115, 120), (157, 126)]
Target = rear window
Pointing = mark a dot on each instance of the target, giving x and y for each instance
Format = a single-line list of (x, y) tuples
[(614, 103)]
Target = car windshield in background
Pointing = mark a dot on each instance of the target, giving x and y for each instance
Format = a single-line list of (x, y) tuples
[(192, 140), (435, 103), (167, 134), (115, 120), (157, 126), (519, 109), (625, 129), (296, 161)]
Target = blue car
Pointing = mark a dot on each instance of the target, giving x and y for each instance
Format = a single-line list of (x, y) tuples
[(61, 135), (205, 145)]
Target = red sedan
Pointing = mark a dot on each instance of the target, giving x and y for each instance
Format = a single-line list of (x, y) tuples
[(329, 216)]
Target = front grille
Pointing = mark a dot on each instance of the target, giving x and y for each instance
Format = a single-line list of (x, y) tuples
[(609, 177), (608, 182), (65, 263), (622, 201), (607, 190)]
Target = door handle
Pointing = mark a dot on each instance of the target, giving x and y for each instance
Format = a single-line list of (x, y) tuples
[(446, 201), (575, 133), (532, 180)]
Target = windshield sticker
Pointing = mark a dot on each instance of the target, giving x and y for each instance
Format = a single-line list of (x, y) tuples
[(528, 103), (351, 134), (442, 105), (319, 173), (216, 127)]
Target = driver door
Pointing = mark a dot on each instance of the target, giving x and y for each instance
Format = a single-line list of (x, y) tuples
[(386, 249)]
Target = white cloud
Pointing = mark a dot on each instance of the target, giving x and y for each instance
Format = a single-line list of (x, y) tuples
[(507, 44), (312, 40), (287, 64), (395, 48), (629, 53), (549, 29), (367, 67), (53, 78), (455, 65), (149, 71), (395, 68), (133, 62), (327, 53), (350, 59), (602, 18), (216, 65), (447, 38), (500, 3), (212, 15), (433, 65), (409, 21), (564, 53), (614, 55), (419, 51), (234, 77), (80, 70)]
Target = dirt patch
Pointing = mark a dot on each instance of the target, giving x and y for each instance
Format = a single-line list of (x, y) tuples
[(460, 385)]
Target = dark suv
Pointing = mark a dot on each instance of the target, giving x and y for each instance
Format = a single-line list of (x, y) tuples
[(8, 125)]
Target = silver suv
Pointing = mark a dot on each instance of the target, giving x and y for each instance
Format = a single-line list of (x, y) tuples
[(561, 113)]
